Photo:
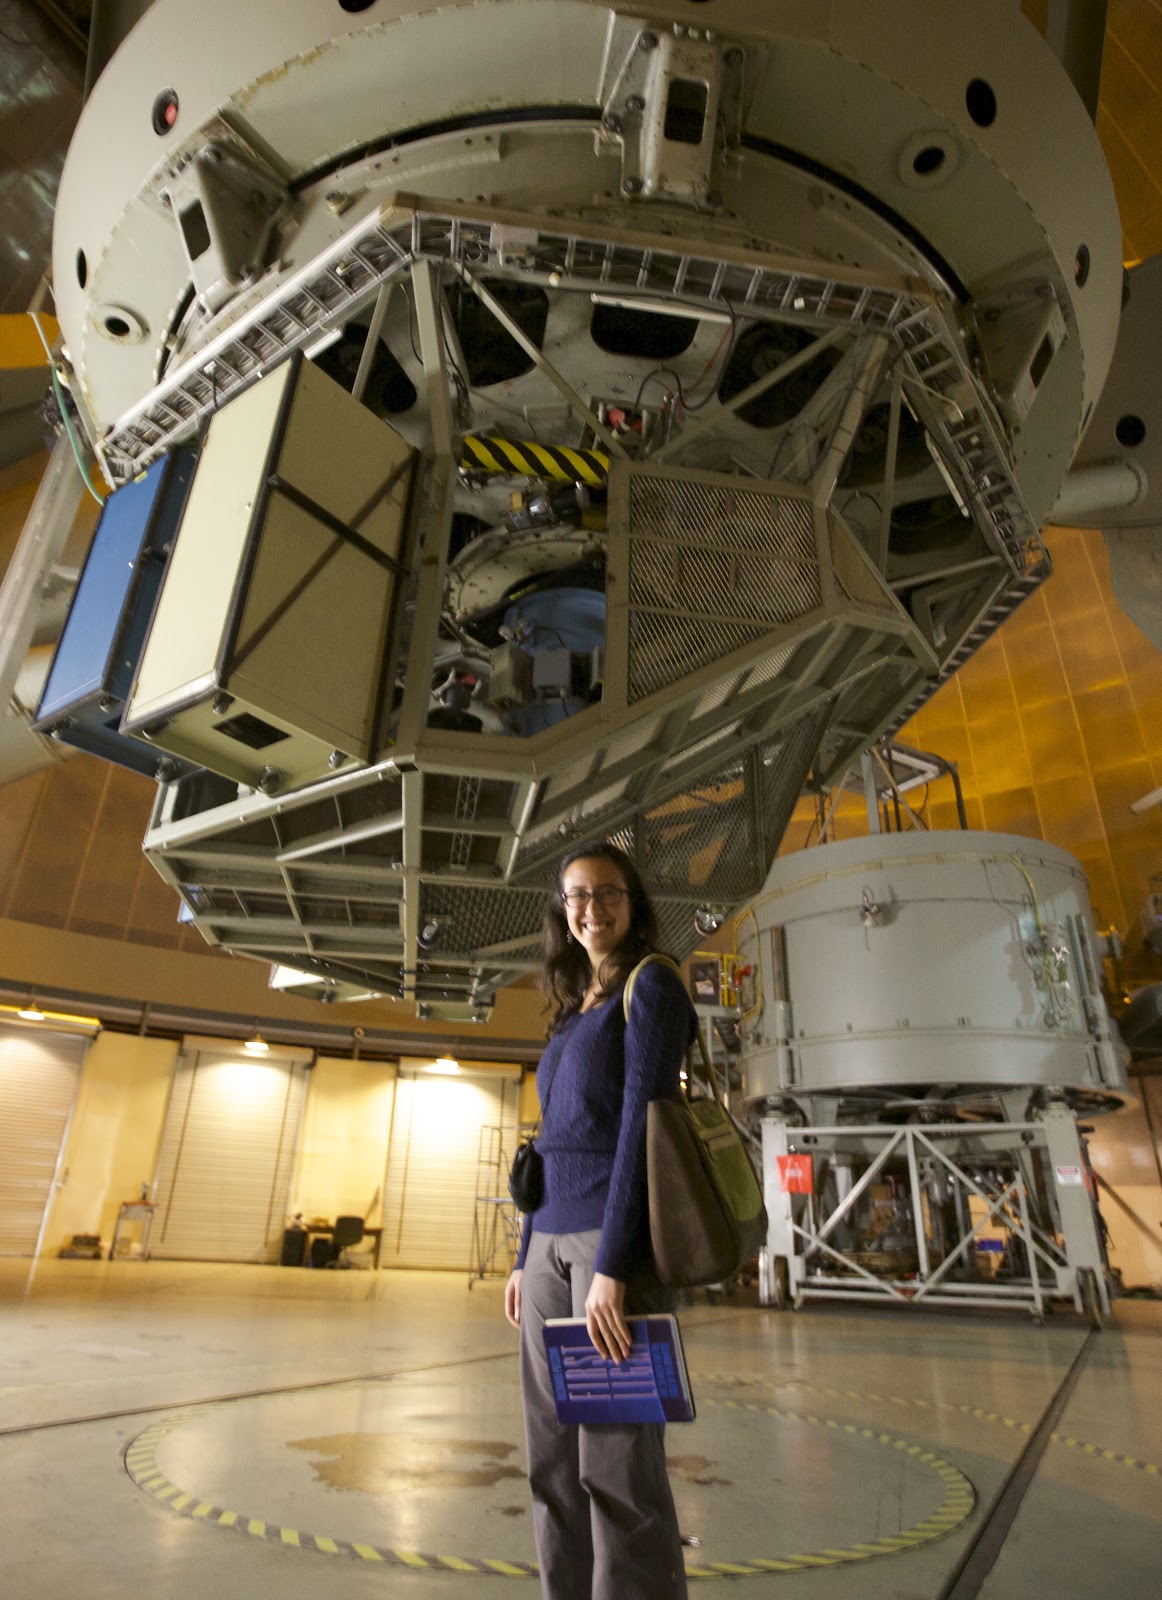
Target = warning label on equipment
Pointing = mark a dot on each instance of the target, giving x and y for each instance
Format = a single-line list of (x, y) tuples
[(1069, 1175), (796, 1174)]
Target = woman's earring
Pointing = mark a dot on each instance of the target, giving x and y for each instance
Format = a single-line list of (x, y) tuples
[(569, 938)]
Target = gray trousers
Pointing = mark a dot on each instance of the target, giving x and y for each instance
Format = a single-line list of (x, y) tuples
[(603, 1515)]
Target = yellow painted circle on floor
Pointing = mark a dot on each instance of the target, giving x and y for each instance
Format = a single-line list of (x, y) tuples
[(978, 1413), (957, 1504)]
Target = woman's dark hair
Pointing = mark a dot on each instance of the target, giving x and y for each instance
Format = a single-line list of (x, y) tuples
[(565, 970)]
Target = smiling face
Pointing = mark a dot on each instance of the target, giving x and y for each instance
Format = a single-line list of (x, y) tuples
[(602, 918)]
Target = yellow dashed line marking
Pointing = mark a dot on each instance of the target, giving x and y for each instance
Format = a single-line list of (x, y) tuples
[(977, 1412), (959, 1499)]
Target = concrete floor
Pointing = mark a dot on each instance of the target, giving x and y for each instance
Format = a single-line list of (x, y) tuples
[(206, 1431)]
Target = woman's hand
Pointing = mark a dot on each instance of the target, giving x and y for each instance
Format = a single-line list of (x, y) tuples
[(605, 1319), (512, 1298)]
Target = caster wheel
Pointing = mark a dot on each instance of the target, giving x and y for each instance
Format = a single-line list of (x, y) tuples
[(1090, 1298)]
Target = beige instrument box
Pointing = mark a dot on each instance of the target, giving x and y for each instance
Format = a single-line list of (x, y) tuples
[(265, 656)]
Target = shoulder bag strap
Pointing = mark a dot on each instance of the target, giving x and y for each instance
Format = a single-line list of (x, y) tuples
[(545, 1101), (627, 995), (654, 955)]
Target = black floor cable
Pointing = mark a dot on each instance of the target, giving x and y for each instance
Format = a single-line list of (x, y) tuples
[(978, 1560), (282, 1388), (252, 1394)]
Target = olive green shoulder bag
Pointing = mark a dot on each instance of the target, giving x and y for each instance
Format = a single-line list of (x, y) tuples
[(707, 1217)]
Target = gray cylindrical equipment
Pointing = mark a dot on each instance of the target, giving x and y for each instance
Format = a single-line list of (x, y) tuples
[(916, 961)]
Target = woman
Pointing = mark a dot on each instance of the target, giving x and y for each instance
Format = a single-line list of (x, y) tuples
[(603, 1515)]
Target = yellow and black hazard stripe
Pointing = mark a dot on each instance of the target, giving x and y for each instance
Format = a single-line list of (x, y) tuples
[(957, 1504), (528, 460), (141, 1464), (978, 1413)]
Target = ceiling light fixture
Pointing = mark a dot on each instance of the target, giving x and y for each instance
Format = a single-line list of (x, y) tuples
[(257, 1046), (31, 1012), (445, 1065)]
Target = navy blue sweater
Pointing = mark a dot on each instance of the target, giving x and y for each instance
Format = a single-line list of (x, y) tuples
[(604, 1072)]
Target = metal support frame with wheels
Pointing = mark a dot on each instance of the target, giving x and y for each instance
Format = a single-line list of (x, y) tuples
[(939, 1214)]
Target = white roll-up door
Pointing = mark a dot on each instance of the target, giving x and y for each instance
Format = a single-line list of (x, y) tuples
[(227, 1155), (432, 1164), (39, 1072)]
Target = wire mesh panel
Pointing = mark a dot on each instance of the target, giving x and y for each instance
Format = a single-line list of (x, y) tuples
[(712, 568), (768, 669), (664, 648), (702, 841), (677, 935), (854, 573), (473, 918), (784, 765)]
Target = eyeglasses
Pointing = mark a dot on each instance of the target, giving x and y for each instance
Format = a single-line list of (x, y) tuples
[(607, 895)]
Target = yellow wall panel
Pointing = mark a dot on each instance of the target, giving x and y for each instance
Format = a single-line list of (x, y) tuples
[(1055, 727), (1033, 658), (1072, 804), (1053, 740), (343, 1145), (1109, 725), (998, 751), (113, 1139), (1013, 811)]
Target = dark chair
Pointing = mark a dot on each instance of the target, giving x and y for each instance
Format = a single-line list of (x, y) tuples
[(347, 1231)]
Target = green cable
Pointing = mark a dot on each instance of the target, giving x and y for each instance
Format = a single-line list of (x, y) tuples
[(64, 411)]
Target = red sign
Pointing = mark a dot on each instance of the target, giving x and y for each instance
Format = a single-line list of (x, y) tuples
[(796, 1174)]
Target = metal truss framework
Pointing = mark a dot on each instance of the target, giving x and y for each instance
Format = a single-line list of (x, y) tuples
[(736, 662), (990, 1163)]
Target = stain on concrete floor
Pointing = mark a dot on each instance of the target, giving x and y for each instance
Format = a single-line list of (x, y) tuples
[(386, 1463)]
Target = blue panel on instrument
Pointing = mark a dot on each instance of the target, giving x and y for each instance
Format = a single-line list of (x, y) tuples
[(92, 671)]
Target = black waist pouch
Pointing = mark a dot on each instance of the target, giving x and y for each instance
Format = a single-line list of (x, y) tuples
[(526, 1178)]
